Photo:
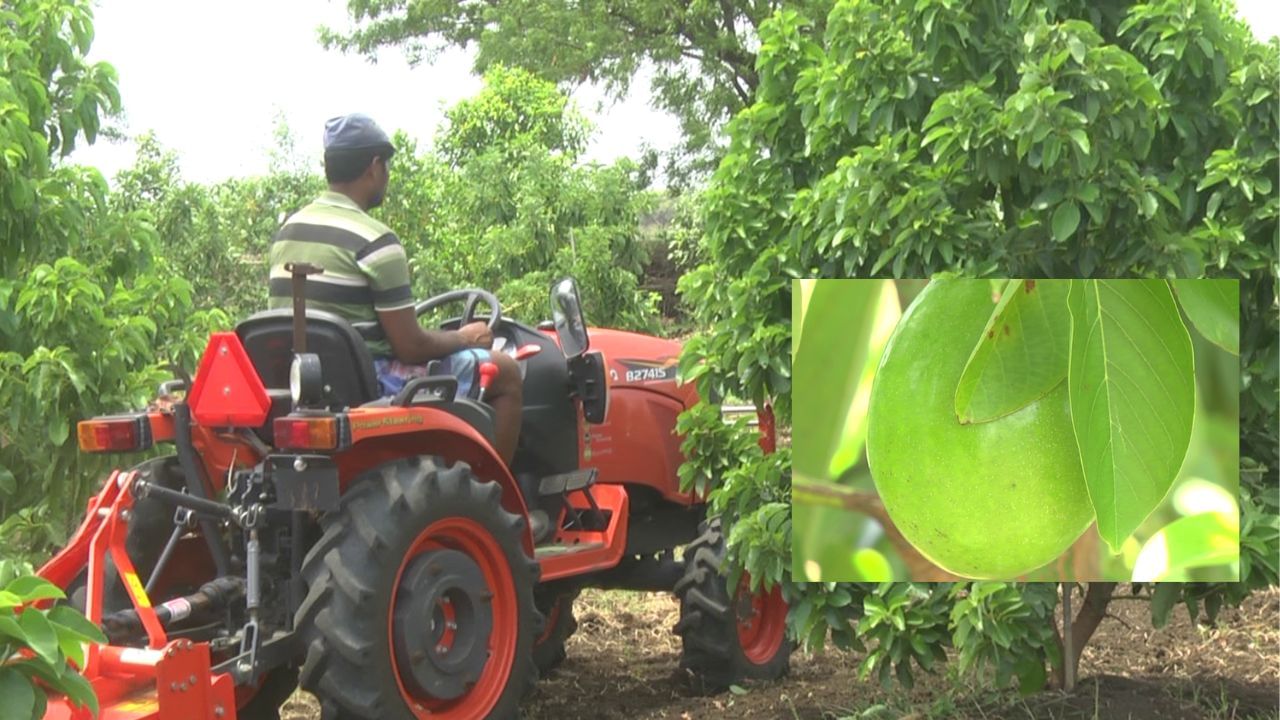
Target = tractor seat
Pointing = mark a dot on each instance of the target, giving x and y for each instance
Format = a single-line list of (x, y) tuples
[(347, 366), (349, 377)]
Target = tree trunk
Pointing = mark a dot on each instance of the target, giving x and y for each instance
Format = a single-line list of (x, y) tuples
[(1083, 625)]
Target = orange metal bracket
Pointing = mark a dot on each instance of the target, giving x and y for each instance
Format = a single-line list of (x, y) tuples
[(109, 536)]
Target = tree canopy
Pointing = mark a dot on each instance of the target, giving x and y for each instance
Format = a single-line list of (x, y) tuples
[(84, 298), (702, 53)]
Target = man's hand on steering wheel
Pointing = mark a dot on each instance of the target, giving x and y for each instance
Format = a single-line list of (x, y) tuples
[(411, 343), (476, 334), (473, 297)]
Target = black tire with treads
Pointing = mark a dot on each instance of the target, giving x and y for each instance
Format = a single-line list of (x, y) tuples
[(351, 571), (712, 653)]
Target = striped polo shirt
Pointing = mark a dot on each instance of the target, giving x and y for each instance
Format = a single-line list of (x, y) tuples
[(365, 266)]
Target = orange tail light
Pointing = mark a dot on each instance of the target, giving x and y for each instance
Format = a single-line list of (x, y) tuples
[(123, 433), (308, 433)]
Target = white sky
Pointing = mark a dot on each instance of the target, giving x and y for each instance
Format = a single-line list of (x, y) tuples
[(210, 77)]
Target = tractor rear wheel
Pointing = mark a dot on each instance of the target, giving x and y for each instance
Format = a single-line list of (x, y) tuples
[(559, 625), (727, 636), (420, 599)]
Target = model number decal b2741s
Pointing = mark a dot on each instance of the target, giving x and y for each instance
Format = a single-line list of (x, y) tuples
[(637, 371), (642, 374)]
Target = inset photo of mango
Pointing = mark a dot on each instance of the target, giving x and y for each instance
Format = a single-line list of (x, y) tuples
[(1036, 430)]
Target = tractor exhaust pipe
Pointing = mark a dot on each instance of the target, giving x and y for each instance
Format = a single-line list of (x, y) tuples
[(212, 597)]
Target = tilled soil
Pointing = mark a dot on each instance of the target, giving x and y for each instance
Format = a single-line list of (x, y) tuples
[(623, 663)]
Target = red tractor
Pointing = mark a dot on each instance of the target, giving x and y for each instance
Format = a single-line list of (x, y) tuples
[(376, 551)]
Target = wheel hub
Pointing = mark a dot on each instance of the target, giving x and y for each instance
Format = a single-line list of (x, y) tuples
[(443, 620)]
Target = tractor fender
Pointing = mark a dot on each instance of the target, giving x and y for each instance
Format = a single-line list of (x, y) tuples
[(445, 435)]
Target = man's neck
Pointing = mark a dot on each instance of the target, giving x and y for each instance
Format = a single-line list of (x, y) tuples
[(351, 194)]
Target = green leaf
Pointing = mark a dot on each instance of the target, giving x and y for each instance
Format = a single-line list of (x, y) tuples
[(9, 628), (1213, 306), (1163, 597), (1196, 541), (33, 587), (1065, 220), (71, 645), (886, 312), (869, 565), (40, 635), (19, 696), (58, 429), (1021, 354), (73, 630), (1081, 140), (827, 366), (935, 134), (8, 485), (1131, 385), (1077, 49), (1031, 675), (1148, 203), (78, 690), (76, 623)]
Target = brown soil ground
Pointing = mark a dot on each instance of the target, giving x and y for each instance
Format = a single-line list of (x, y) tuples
[(623, 663)]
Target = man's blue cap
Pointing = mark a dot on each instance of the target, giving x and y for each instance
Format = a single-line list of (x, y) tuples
[(356, 130)]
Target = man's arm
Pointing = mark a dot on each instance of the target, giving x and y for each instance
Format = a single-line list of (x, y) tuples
[(387, 267), (414, 344)]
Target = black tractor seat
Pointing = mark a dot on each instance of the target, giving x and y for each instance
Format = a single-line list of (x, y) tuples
[(344, 357)]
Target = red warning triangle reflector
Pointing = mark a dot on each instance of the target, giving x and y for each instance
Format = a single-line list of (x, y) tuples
[(226, 391)]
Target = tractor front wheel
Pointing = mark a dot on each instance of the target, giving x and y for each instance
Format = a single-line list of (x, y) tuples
[(729, 634), (419, 599)]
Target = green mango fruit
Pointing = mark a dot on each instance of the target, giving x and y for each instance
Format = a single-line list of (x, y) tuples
[(988, 500)]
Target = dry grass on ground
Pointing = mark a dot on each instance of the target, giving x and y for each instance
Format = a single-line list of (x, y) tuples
[(623, 663)]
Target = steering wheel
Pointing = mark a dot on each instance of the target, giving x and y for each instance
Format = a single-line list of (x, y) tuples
[(473, 297)]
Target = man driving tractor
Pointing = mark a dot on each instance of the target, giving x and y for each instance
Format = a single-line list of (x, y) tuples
[(366, 277)]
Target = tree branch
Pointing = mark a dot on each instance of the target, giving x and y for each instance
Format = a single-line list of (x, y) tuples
[(743, 94), (726, 10), (1122, 621)]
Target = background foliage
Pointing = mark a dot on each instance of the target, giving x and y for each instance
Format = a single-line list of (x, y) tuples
[(504, 203), (700, 55), (85, 295)]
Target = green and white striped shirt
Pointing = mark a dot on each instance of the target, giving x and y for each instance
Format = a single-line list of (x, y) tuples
[(365, 266)]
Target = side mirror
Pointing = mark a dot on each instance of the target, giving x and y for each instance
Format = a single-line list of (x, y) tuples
[(571, 327)]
